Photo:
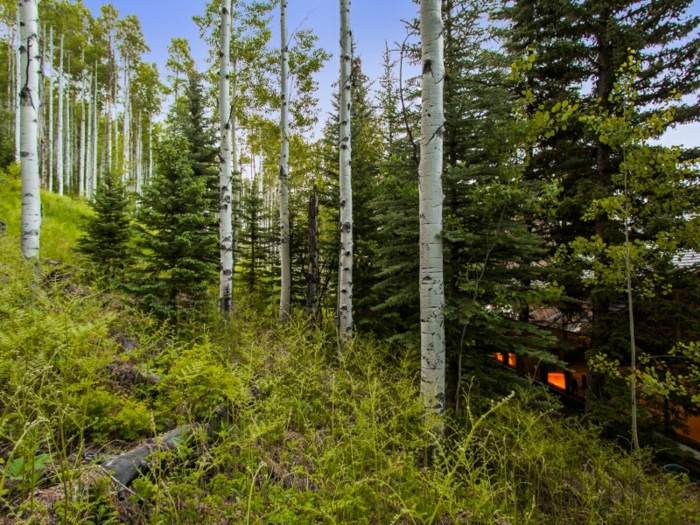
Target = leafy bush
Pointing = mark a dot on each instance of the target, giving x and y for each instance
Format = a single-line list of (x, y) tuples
[(289, 432)]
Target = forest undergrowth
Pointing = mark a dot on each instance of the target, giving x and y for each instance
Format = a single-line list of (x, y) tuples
[(281, 428)]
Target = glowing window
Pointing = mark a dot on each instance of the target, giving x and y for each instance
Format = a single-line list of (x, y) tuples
[(557, 380), (512, 360), (499, 357)]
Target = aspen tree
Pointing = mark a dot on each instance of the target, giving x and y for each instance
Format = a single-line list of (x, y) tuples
[(80, 162), (126, 137), (432, 295), (139, 164), (83, 137), (67, 145), (88, 144), (43, 175), (345, 321), (10, 100), (59, 122), (235, 165), (108, 19), (95, 136), (225, 201), (285, 256), (18, 84), (29, 139), (150, 150), (51, 134)]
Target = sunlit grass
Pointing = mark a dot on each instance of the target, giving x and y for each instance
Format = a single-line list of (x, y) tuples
[(62, 217)]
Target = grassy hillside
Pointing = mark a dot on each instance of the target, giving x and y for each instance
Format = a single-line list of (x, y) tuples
[(62, 216), (282, 430)]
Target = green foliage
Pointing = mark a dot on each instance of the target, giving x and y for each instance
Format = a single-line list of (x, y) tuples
[(112, 415), (107, 230), (189, 118), (55, 353), (290, 434), (62, 217), (346, 442), (176, 237), (197, 380), (256, 241)]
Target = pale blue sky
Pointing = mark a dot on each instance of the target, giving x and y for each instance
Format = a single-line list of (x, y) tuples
[(374, 22)]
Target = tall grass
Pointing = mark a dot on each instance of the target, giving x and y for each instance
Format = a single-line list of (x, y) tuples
[(62, 217), (287, 432)]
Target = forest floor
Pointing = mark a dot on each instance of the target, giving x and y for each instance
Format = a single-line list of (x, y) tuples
[(273, 426)]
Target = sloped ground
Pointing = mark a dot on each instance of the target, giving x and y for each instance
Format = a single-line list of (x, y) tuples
[(62, 217), (283, 430)]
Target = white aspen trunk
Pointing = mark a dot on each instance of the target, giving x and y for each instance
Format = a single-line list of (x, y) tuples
[(51, 134), (10, 101), (95, 174), (139, 165), (285, 255), (225, 201), (235, 167), (117, 139), (150, 150), (29, 139), (83, 149), (633, 342), (42, 111), (59, 124), (108, 130), (88, 145), (18, 83), (115, 128), (127, 127), (432, 295), (68, 146), (345, 261)]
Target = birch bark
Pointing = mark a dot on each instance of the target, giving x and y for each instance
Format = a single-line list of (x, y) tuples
[(88, 145), (95, 136), (138, 162), (51, 134), (150, 150), (59, 122), (29, 139), (18, 83), (285, 256), (235, 168), (126, 137), (68, 145), (225, 201), (432, 296), (345, 320), (82, 153)]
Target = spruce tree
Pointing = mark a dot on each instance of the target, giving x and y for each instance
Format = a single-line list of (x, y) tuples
[(107, 232), (192, 121), (255, 238), (580, 48), (394, 310), (177, 237)]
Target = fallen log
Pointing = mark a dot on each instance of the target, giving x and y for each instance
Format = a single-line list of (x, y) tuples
[(125, 467), (121, 469)]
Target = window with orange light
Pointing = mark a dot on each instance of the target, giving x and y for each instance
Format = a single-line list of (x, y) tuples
[(499, 357), (557, 380), (512, 360)]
